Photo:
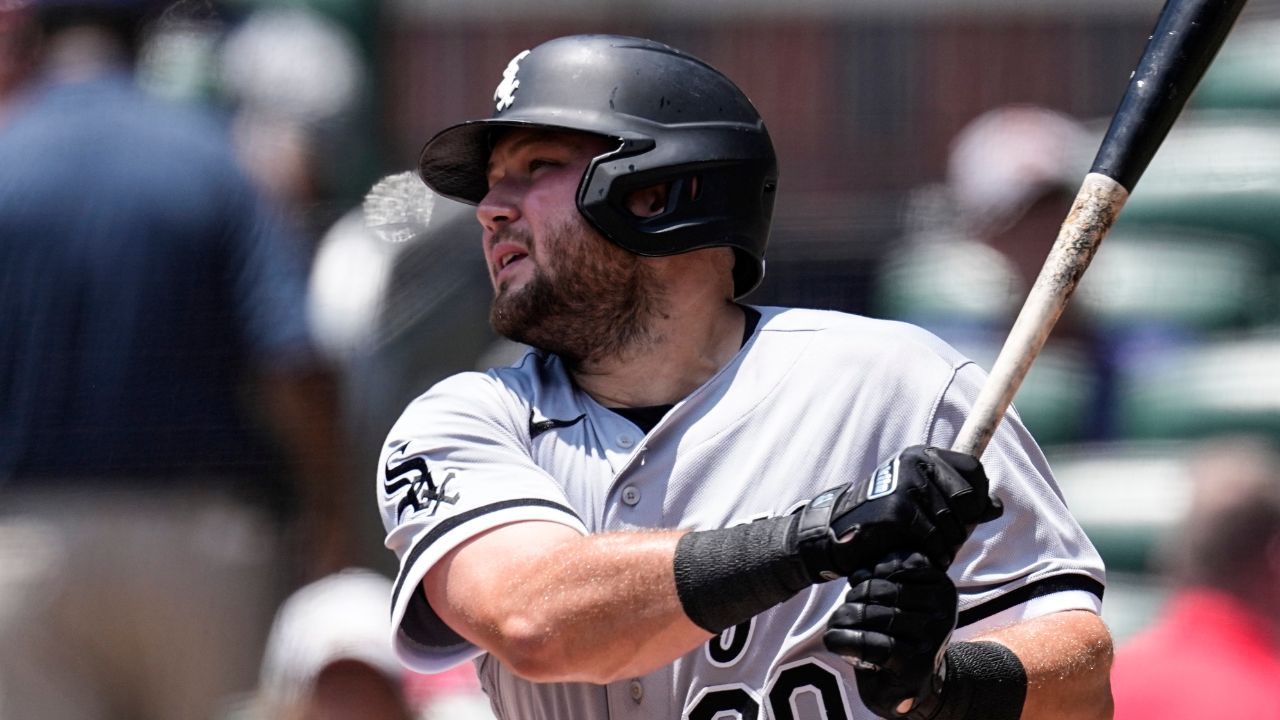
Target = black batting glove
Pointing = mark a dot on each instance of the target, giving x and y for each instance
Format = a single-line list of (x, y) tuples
[(926, 499), (893, 628)]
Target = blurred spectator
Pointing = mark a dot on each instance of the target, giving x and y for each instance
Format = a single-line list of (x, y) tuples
[(299, 93), (981, 238), (329, 656), (17, 49), (296, 86), (1215, 651), (178, 57), (152, 331), (454, 694), (1013, 172)]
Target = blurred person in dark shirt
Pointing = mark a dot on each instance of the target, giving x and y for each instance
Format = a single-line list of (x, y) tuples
[(168, 451), (1215, 650)]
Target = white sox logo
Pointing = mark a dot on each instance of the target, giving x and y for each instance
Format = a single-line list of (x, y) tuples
[(423, 494), (506, 92)]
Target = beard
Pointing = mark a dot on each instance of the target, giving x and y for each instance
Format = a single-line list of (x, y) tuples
[(587, 300)]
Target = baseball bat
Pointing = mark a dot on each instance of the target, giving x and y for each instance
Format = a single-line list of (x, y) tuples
[(1186, 38)]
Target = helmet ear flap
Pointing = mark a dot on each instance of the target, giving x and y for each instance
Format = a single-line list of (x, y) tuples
[(704, 207), (682, 207), (659, 199)]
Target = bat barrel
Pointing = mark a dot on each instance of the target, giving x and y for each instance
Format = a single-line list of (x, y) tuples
[(1185, 40)]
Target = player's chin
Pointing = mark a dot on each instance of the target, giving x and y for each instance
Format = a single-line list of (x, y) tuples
[(502, 288), (510, 299), (510, 310), (509, 282)]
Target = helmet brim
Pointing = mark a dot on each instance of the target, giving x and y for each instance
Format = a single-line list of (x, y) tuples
[(455, 160)]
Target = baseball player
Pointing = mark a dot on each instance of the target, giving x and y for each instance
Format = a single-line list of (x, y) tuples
[(680, 506)]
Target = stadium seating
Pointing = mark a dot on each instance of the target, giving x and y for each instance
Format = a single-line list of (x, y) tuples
[(1195, 281), (1218, 173), (1228, 384), (1246, 73)]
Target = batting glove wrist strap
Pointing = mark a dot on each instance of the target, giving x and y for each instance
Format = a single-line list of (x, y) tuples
[(727, 576), (983, 681)]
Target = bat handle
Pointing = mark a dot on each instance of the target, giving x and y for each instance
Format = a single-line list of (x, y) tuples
[(1092, 214)]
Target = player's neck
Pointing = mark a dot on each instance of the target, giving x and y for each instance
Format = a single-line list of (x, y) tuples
[(690, 343)]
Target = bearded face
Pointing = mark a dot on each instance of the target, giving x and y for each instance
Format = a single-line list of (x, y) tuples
[(587, 299)]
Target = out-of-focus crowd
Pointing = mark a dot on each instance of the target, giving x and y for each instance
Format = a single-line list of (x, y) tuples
[(211, 310), (186, 417), (1156, 398)]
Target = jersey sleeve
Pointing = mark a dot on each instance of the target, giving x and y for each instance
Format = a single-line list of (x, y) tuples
[(1033, 560), (456, 464)]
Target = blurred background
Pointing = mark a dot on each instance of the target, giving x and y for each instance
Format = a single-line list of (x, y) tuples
[(928, 152)]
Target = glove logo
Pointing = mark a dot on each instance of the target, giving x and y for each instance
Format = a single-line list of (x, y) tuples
[(505, 94), (824, 499), (884, 480)]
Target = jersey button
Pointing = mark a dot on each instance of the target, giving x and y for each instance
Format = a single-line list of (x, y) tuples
[(625, 441), (637, 691), (631, 495)]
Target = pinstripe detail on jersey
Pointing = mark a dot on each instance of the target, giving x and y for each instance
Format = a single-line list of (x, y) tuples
[(445, 526), (1039, 588)]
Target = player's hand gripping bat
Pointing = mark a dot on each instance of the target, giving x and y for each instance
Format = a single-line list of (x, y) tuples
[(1187, 35)]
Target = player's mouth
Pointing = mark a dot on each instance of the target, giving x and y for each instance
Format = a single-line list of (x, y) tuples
[(507, 258)]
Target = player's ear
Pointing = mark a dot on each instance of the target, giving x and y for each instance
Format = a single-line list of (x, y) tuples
[(648, 202), (652, 201)]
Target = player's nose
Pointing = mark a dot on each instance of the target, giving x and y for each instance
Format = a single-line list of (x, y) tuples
[(498, 207)]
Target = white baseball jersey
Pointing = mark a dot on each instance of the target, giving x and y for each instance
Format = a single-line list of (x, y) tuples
[(813, 399)]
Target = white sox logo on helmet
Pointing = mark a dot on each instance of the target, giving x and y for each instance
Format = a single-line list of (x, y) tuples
[(505, 94)]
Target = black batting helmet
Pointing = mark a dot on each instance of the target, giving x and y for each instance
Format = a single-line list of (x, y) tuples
[(675, 117)]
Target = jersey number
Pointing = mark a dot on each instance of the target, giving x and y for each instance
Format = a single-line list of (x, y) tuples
[(785, 698)]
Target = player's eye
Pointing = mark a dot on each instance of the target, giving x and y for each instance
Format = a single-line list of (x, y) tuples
[(531, 168), (537, 164)]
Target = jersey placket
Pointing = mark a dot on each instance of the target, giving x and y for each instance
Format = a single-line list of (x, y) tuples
[(635, 495)]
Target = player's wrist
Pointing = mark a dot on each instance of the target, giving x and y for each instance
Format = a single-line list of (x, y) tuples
[(726, 576), (811, 539), (977, 681)]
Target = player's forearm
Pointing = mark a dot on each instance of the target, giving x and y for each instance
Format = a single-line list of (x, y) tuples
[(1067, 658), (604, 610), (592, 609)]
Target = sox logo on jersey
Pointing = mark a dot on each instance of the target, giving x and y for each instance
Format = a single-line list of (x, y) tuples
[(422, 493)]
